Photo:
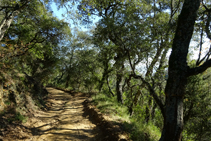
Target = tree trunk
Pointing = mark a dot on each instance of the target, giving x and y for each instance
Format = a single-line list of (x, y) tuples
[(153, 110), (109, 88), (105, 75), (5, 23), (148, 110), (135, 101), (177, 73), (118, 87), (67, 81)]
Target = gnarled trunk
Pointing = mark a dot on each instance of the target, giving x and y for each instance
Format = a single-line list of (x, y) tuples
[(177, 73)]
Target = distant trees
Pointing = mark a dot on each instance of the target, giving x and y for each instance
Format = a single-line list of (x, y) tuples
[(78, 68)]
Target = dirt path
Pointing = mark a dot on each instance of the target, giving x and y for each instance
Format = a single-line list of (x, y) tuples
[(65, 120)]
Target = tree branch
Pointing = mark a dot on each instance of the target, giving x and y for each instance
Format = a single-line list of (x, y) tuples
[(152, 93), (7, 20), (200, 47), (207, 25), (199, 69)]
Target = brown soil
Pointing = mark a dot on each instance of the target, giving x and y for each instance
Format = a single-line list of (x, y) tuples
[(67, 117)]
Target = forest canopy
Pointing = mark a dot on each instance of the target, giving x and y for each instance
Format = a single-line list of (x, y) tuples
[(150, 56)]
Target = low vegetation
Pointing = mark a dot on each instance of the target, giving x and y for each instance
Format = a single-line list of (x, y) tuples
[(145, 61), (118, 114)]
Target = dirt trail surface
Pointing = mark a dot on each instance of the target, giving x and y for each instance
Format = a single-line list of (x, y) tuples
[(64, 120)]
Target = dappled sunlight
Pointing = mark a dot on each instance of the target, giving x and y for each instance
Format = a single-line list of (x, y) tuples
[(64, 120)]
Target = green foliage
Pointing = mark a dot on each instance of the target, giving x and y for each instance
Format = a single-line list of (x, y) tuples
[(197, 108), (7, 102), (28, 54), (78, 68), (18, 117), (109, 105), (137, 128), (142, 132), (132, 38)]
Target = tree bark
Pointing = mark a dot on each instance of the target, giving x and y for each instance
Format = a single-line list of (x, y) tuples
[(177, 73), (109, 88), (67, 81), (105, 74), (118, 87), (5, 23), (148, 109), (7, 20), (135, 101), (119, 74), (153, 111)]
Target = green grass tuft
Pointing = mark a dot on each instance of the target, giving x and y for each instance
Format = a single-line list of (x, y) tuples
[(139, 131)]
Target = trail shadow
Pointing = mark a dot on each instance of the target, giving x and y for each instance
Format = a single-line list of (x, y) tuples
[(109, 130), (69, 110), (104, 134), (63, 120)]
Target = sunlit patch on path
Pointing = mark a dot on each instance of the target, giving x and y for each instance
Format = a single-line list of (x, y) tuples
[(64, 120)]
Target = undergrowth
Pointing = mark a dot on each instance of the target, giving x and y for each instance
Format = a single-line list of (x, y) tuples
[(20, 117), (138, 130)]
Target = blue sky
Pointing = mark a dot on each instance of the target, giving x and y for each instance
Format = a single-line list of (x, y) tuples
[(58, 13)]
